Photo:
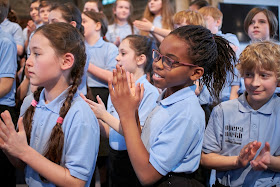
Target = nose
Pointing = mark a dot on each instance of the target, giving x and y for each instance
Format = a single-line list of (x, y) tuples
[(29, 62), (158, 65), (256, 81)]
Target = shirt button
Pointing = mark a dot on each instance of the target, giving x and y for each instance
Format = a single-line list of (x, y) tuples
[(254, 126)]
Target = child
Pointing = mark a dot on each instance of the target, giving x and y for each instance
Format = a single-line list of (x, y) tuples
[(160, 13), (245, 130), (44, 10), (93, 5), (135, 56), (214, 18), (169, 148), (58, 139), (8, 68), (182, 18), (122, 25), (260, 24), (102, 56)]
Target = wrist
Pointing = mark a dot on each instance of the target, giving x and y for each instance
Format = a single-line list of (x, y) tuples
[(152, 28)]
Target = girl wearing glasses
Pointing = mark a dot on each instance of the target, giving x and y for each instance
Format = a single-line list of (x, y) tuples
[(135, 56), (168, 149)]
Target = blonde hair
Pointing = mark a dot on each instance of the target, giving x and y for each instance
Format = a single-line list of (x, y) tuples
[(190, 17), (213, 12), (167, 12), (259, 55)]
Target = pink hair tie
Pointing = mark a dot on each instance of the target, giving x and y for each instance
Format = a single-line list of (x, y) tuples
[(34, 103), (59, 120)]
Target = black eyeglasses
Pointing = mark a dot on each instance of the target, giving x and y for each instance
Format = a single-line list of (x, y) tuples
[(167, 62)]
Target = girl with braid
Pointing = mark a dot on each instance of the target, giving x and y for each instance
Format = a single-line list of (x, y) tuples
[(58, 137), (168, 149)]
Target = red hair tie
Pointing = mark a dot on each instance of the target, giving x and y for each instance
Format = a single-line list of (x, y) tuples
[(59, 120), (34, 103)]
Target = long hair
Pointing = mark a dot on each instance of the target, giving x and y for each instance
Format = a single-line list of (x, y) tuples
[(63, 38), (211, 52), (129, 19), (98, 17), (167, 12)]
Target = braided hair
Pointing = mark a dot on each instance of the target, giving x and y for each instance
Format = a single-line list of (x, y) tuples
[(211, 52), (64, 38)]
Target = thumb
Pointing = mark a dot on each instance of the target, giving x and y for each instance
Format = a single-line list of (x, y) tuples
[(20, 125), (267, 146)]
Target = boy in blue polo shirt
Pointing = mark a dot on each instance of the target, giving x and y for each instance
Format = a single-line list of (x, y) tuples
[(242, 137)]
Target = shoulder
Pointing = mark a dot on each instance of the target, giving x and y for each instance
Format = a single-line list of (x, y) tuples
[(6, 38)]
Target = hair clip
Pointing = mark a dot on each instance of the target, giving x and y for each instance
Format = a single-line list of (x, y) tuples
[(34, 103), (59, 120)]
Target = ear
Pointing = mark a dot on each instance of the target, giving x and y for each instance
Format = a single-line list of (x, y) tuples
[(73, 23), (197, 73), (218, 22), (98, 26), (68, 61), (140, 60)]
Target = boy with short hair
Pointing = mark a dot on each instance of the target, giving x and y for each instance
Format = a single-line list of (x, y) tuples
[(8, 67), (242, 137)]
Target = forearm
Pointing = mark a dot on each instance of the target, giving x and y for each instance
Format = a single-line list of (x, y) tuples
[(161, 32), (274, 164), (218, 162), (100, 73), (54, 173), (104, 128), (23, 89), (138, 154), (234, 92), (112, 122), (6, 84), (19, 50), (158, 37)]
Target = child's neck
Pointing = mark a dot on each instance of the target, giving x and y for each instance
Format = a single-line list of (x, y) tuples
[(91, 40), (138, 73), (53, 91), (121, 22)]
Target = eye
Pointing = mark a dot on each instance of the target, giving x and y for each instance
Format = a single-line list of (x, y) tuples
[(248, 74)]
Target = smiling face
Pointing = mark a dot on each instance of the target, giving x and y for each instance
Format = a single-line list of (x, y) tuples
[(43, 63), (260, 86), (155, 6), (122, 10), (258, 29), (34, 13), (179, 76)]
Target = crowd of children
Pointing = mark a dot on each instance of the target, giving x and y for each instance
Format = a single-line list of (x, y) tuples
[(159, 101)]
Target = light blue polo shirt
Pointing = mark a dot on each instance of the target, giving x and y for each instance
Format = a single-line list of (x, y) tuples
[(103, 55), (81, 136), (232, 125), (116, 30), (8, 65), (117, 141), (173, 132), (14, 29)]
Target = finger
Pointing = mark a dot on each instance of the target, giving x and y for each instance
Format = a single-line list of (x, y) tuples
[(20, 125), (262, 166), (142, 91), (83, 96), (110, 87), (256, 147), (3, 127), (8, 121), (128, 79), (123, 80), (115, 80), (267, 146), (3, 137), (99, 100), (138, 91)]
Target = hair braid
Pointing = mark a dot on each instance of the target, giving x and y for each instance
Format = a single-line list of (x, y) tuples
[(211, 52), (28, 115)]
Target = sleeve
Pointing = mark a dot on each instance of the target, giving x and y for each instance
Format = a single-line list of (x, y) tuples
[(177, 143), (111, 57), (8, 58), (214, 132), (18, 36), (82, 145)]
